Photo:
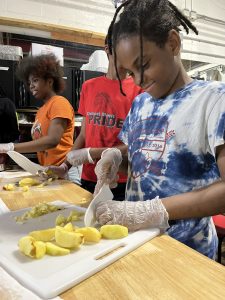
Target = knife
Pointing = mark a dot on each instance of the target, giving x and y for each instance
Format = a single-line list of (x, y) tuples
[(103, 195), (25, 163)]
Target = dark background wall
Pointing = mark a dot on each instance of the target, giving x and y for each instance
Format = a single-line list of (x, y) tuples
[(74, 56)]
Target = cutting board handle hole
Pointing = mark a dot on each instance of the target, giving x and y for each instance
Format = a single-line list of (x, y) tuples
[(109, 252)]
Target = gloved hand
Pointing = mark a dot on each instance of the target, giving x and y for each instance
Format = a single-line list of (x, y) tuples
[(61, 171), (79, 157), (4, 148), (107, 168), (134, 215)]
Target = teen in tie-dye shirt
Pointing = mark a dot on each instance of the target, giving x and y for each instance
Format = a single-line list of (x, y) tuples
[(171, 147), (175, 131)]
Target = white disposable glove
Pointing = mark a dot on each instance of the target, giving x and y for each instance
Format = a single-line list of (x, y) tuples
[(134, 215), (4, 148), (79, 157), (107, 168), (61, 171)]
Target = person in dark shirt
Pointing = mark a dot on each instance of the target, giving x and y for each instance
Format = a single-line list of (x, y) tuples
[(9, 130), (8, 120)]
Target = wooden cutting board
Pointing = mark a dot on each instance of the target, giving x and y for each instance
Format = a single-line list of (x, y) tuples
[(50, 276)]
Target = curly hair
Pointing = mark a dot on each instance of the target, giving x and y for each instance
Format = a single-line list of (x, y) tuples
[(152, 20), (44, 66)]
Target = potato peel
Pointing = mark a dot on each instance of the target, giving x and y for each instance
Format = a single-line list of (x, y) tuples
[(37, 211)]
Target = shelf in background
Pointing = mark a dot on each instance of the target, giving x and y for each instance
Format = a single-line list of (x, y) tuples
[(26, 110)]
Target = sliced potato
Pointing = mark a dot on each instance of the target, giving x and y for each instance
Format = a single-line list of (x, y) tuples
[(9, 187), (68, 239), (26, 246), (40, 249), (45, 235), (113, 231), (25, 188), (54, 250), (28, 182), (74, 216), (69, 227), (91, 234), (60, 220), (32, 248)]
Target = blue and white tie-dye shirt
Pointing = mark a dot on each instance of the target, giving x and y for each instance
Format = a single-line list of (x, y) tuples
[(171, 150)]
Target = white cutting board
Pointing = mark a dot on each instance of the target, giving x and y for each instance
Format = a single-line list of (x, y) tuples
[(52, 275)]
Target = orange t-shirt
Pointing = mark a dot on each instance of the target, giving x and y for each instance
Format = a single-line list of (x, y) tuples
[(55, 107)]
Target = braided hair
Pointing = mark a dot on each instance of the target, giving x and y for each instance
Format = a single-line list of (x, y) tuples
[(150, 19)]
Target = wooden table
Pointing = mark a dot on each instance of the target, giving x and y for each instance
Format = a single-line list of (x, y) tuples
[(57, 190), (160, 269)]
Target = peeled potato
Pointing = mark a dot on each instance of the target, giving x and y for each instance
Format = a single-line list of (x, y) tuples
[(26, 246), (25, 188), (113, 232), (54, 250), (45, 235), (60, 220), (40, 249), (74, 216), (9, 187), (32, 248), (91, 234), (69, 227), (28, 182), (68, 239)]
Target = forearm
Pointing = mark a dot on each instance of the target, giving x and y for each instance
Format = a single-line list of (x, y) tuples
[(79, 142), (41, 144), (196, 204), (97, 152)]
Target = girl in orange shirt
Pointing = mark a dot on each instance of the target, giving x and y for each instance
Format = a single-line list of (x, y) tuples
[(53, 128)]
